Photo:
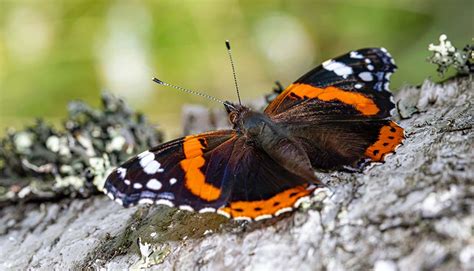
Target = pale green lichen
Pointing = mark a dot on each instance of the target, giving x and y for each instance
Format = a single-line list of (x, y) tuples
[(100, 169), (151, 254), (445, 55), (42, 162), (23, 141)]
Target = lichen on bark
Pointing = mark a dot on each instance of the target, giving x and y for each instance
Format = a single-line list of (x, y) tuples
[(44, 163)]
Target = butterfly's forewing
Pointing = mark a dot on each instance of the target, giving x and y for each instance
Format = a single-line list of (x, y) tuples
[(189, 173), (339, 110), (357, 81)]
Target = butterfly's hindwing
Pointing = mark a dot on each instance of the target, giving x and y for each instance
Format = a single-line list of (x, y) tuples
[(336, 145), (262, 188), (389, 137)]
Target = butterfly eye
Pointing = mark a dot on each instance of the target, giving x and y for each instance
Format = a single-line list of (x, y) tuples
[(233, 117)]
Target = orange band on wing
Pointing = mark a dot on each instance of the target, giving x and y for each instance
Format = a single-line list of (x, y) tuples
[(253, 209), (360, 102), (195, 180), (390, 136)]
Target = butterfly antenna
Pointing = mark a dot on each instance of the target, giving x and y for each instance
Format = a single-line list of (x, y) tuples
[(207, 96), (227, 44)]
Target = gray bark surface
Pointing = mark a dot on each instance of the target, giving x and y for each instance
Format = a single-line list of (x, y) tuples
[(414, 212)]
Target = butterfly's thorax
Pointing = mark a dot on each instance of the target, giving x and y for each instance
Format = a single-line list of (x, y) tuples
[(260, 129), (263, 133)]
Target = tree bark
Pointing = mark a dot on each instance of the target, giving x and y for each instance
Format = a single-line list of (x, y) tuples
[(414, 212)]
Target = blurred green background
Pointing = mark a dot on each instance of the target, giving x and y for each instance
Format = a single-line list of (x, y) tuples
[(54, 51)]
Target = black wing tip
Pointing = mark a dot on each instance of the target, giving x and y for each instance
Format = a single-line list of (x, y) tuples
[(383, 54), (386, 58)]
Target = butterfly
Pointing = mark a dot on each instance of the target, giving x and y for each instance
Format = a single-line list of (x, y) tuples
[(335, 116)]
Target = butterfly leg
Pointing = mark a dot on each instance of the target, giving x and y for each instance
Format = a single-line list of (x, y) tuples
[(276, 90)]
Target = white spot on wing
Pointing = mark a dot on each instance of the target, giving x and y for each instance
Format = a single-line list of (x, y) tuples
[(137, 186), (145, 201), (110, 195), (122, 171), (338, 68), (127, 182), (262, 217), (186, 208), (119, 201), (146, 157), (356, 55), (284, 210), (143, 154), (358, 86), (367, 60), (154, 184), (301, 200), (370, 67), (208, 210), (173, 181), (164, 202), (366, 76), (222, 213), (153, 167)]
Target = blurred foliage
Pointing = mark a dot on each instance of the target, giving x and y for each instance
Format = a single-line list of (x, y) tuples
[(41, 162), (54, 51)]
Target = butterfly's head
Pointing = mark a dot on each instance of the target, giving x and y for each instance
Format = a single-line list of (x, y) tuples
[(245, 120), (236, 113)]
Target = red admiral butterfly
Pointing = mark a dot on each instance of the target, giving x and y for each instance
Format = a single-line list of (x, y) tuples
[(335, 116)]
